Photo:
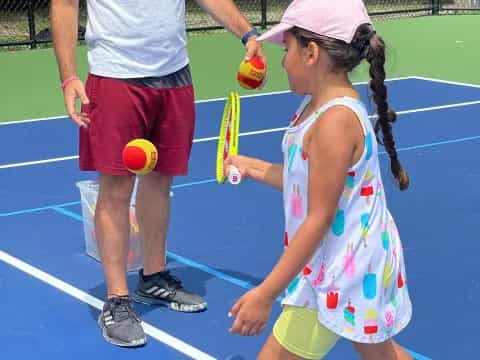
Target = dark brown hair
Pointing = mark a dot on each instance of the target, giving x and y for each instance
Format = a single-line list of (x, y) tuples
[(366, 44)]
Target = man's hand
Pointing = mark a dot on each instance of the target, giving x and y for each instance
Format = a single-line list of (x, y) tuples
[(254, 48), (76, 90)]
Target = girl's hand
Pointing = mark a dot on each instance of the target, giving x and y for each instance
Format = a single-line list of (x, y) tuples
[(240, 162), (251, 313)]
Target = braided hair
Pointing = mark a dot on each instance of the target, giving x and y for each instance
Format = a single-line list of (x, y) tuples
[(366, 44)]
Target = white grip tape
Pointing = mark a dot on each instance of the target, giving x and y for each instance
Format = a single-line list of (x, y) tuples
[(234, 175)]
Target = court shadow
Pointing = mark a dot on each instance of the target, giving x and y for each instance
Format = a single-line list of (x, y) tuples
[(193, 279), (237, 275)]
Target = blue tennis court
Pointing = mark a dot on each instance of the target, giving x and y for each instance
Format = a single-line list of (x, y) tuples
[(224, 239)]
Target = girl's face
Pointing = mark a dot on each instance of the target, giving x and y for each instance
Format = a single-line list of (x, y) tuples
[(306, 66), (293, 63)]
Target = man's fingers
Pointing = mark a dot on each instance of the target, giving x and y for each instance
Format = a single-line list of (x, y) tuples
[(83, 96), (70, 105), (71, 95), (253, 48), (250, 53)]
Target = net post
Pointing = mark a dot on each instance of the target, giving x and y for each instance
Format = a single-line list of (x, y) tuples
[(436, 7), (264, 14), (31, 24)]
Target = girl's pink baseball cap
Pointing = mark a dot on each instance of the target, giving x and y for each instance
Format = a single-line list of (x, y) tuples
[(335, 19)]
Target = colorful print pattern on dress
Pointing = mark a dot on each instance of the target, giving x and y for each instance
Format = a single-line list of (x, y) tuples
[(296, 202), (356, 278)]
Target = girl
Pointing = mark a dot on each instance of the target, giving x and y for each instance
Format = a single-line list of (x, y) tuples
[(343, 267)]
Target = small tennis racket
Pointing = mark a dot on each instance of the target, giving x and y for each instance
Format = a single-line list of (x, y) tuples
[(228, 139)]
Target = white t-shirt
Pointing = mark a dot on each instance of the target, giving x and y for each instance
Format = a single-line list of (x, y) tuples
[(136, 38), (356, 279)]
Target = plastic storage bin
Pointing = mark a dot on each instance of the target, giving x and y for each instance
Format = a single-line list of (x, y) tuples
[(88, 196)]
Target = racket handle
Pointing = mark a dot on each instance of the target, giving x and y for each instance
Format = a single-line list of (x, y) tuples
[(234, 175)]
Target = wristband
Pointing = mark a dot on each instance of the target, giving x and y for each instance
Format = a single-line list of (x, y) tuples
[(249, 34), (69, 80)]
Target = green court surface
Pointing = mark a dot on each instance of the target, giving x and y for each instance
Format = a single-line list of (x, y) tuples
[(445, 47)]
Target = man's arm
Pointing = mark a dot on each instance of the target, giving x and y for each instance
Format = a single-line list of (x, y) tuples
[(227, 14), (64, 20)]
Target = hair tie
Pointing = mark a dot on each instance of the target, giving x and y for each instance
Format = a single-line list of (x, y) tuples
[(362, 44)]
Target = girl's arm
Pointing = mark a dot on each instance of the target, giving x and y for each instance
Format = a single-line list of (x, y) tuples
[(331, 149), (332, 145), (259, 170)]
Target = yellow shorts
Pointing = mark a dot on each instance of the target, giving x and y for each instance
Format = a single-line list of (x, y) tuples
[(298, 330)]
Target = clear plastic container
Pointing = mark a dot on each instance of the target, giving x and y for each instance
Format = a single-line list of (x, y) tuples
[(88, 196)]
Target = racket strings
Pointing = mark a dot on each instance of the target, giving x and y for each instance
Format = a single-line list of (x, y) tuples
[(228, 135), (229, 132)]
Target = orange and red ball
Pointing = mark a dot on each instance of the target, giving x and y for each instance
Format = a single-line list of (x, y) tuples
[(140, 156), (251, 74)]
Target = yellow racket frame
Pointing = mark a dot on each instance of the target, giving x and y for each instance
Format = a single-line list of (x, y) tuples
[(232, 106)]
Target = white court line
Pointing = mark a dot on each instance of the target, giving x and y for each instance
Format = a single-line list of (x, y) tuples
[(288, 91), (81, 295), (38, 162), (446, 82), (59, 117), (258, 132), (432, 108)]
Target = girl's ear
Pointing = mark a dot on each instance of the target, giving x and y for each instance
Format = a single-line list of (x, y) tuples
[(312, 53)]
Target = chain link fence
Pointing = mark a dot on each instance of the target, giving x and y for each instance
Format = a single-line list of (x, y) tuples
[(25, 23), (461, 6)]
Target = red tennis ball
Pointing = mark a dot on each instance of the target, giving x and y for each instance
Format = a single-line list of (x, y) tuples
[(140, 156), (251, 73)]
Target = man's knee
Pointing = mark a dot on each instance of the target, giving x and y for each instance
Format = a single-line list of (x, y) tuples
[(116, 190)]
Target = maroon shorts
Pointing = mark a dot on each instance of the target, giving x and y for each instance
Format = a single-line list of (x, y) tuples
[(120, 111)]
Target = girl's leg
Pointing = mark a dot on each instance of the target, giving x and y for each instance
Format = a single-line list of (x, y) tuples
[(388, 350), (272, 350), (298, 335), (401, 353)]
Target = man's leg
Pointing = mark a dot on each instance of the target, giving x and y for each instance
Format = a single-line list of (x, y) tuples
[(152, 209), (115, 120), (156, 285), (172, 133), (112, 229), (119, 323)]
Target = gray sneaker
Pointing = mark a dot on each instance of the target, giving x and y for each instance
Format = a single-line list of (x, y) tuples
[(165, 289), (119, 323)]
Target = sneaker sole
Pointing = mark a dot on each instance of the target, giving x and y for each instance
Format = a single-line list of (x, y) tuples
[(171, 305), (134, 343)]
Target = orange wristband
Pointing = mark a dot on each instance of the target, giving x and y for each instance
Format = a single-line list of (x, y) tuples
[(69, 80)]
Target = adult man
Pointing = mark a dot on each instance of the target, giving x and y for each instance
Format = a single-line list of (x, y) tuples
[(139, 86)]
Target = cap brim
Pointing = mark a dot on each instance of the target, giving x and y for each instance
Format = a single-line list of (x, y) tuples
[(275, 34)]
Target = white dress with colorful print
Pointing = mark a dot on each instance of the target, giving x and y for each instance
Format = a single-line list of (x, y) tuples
[(356, 278)]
